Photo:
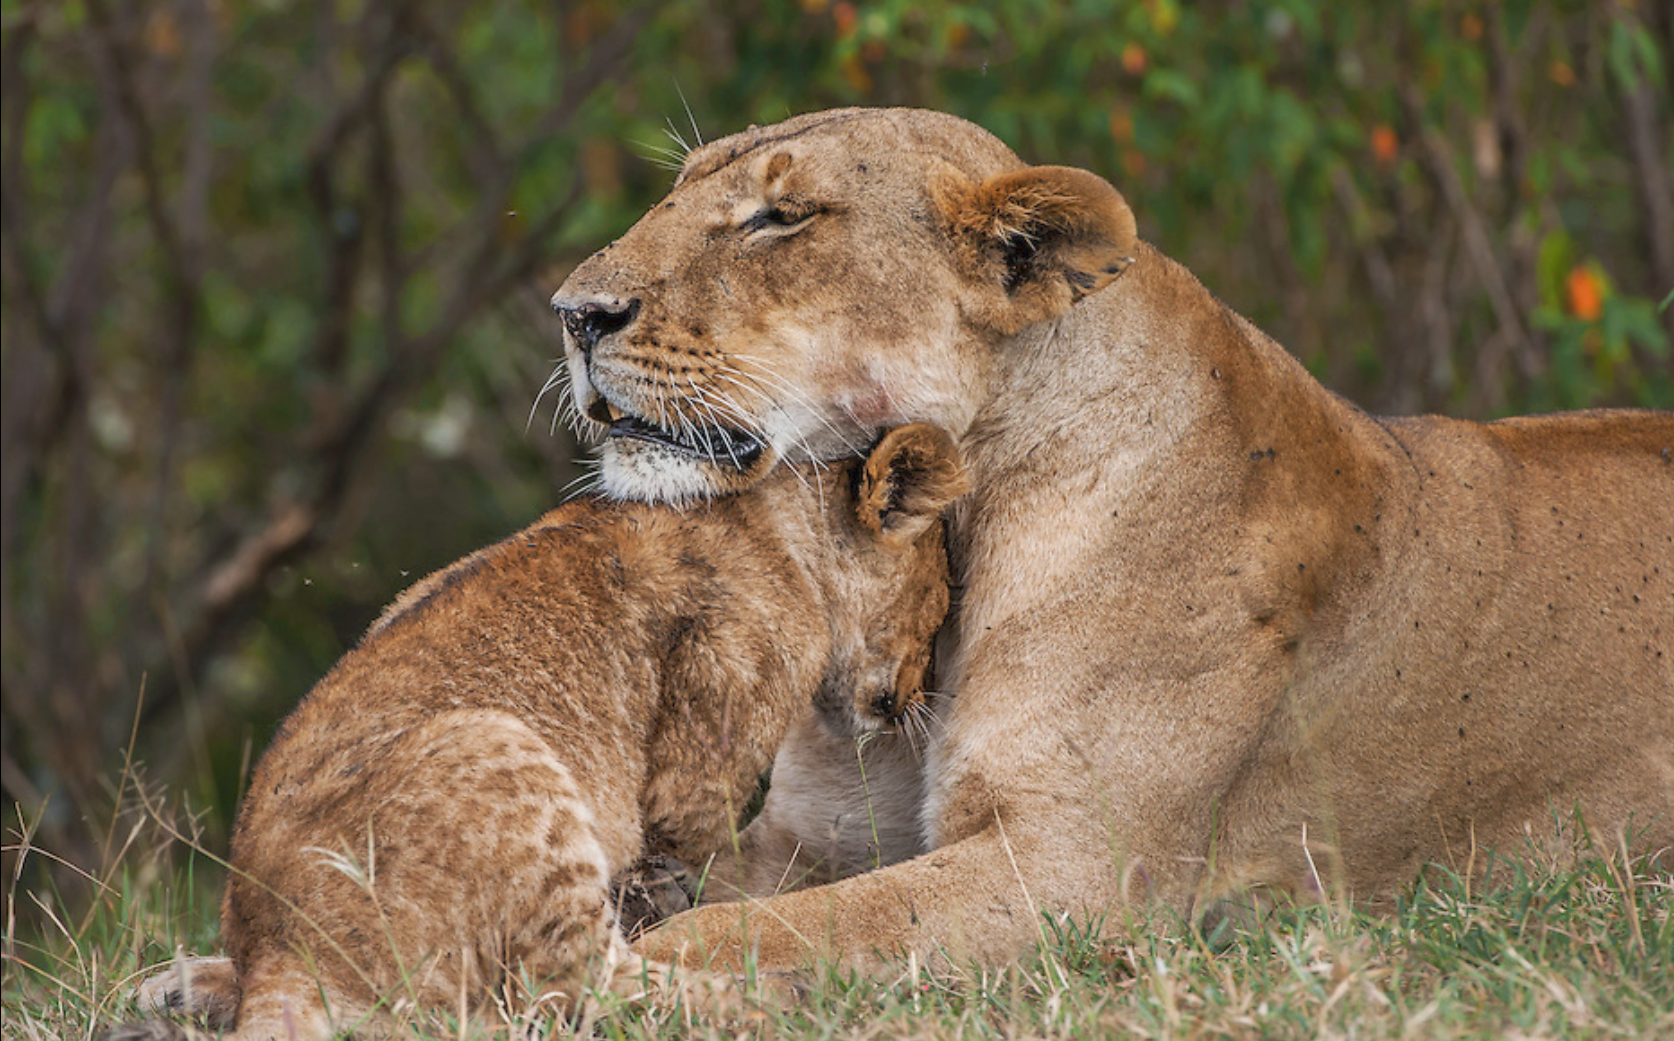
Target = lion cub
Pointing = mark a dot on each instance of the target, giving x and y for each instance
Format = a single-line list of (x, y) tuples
[(437, 823)]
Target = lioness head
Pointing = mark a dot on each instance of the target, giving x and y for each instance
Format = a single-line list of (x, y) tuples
[(806, 285)]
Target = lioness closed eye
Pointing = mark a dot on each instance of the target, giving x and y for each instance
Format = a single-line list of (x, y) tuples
[(437, 822), (1221, 632)]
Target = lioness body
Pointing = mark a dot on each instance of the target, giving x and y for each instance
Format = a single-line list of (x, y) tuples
[(437, 823), (1221, 630)]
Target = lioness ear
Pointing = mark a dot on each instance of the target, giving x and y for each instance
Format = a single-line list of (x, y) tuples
[(908, 480), (1043, 237)]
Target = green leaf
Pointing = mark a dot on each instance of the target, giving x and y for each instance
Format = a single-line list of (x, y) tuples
[(1632, 56), (1172, 85), (1552, 263)]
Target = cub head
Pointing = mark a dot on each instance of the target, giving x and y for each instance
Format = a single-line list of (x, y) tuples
[(806, 285), (890, 581)]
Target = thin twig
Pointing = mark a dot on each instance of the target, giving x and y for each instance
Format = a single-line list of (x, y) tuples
[(1478, 246)]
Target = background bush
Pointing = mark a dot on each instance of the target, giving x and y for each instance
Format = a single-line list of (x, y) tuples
[(275, 276)]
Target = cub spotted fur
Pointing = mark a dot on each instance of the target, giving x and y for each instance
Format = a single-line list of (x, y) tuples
[(437, 823), (1221, 633)]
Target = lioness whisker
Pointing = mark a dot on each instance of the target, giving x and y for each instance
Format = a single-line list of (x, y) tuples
[(568, 411), (797, 396), (586, 481), (722, 409), (552, 381), (694, 434), (569, 415), (715, 397), (801, 442), (657, 155), (756, 426), (683, 148), (702, 401), (697, 135), (801, 398)]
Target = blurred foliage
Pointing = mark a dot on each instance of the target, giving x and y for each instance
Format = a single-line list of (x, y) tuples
[(275, 274)]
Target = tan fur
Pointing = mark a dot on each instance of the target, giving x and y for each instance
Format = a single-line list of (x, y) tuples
[(1222, 632), (436, 824)]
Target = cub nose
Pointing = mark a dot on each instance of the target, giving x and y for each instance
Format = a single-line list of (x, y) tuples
[(886, 705), (592, 321)]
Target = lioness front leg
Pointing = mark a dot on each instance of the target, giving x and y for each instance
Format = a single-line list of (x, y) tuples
[(1041, 825), (979, 898)]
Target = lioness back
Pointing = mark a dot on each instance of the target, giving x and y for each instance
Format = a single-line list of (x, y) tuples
[(1461, 691)]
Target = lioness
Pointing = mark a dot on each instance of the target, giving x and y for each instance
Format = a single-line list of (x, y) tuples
[(437, 822), (1222, 632)]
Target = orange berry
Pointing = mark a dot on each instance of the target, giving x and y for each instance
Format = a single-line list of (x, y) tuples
[(1385, 145), (843, 15), (1121, 126), (1584, 294), (1133, 59)]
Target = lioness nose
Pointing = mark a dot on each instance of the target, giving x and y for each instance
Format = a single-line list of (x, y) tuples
[(592, 321)]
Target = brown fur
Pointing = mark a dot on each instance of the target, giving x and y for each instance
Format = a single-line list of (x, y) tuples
[(1222, 632), (437, 823)]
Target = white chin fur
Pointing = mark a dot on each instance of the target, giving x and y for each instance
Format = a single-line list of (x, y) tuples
[(640, 473)]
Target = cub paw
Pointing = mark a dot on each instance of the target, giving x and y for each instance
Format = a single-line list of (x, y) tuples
[(193, 986), (655, 888)]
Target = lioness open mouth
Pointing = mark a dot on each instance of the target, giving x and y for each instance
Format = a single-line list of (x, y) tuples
[(720, 446)]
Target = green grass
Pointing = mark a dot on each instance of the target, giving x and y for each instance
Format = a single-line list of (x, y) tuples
[(1582, 953)]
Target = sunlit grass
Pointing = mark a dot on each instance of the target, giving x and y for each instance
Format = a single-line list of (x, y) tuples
[(1581, 953)]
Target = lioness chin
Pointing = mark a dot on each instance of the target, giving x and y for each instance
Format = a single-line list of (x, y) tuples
[(1222, 633), (436, 825)]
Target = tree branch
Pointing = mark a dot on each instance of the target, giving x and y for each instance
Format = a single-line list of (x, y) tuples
[(1479, 247), (338, 453), (1646, 142)]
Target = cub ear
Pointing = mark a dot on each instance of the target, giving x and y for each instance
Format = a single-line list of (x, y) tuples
[(908, 480), (1042, 238)]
